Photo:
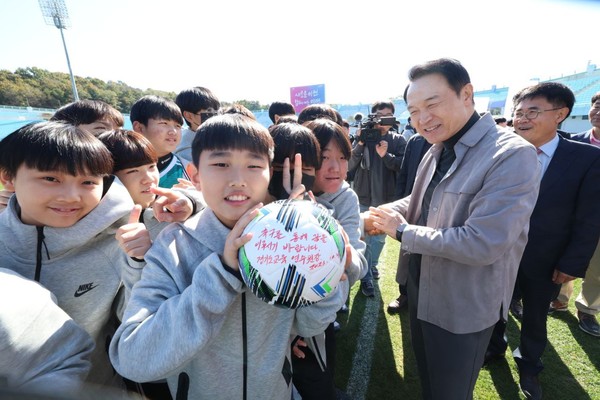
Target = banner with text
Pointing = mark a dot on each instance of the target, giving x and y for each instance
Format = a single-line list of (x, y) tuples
[(303, 96)]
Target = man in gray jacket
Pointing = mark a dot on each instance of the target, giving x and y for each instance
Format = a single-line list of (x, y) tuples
[(463, 229)]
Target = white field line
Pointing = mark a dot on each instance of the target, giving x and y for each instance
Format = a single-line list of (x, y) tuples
[(358, 382)]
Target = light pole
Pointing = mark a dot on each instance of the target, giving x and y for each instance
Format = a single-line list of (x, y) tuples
[(55, 13)]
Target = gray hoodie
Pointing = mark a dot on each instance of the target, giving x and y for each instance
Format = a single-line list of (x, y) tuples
[(346, 211), (192, 320), (81, 265), (32, 328)]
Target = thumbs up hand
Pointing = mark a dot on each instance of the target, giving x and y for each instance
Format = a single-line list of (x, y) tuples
[(133, 237)]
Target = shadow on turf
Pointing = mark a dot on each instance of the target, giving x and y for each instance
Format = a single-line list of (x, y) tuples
[(556, 379), (385, 381), (590, 344)]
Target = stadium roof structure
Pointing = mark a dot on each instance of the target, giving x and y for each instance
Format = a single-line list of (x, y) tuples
[(584, 85)]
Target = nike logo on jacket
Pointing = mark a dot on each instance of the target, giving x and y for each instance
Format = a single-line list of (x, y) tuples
[(83, 289)]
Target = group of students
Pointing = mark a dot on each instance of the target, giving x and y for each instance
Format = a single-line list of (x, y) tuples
[(127, 299), (133, 236)]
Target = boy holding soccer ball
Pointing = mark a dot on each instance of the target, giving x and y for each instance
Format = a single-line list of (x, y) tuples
[(190, 318)]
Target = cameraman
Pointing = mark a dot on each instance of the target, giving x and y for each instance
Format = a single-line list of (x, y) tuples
[(376, 159)]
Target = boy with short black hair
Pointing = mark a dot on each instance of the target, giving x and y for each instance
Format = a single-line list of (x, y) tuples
[(135, 167), (59, 227), (209, 335), (94, 116), (197, 105), (279, 109), (160, 120)]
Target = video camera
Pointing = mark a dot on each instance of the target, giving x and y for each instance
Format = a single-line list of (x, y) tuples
[(368, 132)]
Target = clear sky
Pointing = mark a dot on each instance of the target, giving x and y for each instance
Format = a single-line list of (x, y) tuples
[(257, 50)]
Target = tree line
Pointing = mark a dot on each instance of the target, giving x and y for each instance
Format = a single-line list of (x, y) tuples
[(36, 87)]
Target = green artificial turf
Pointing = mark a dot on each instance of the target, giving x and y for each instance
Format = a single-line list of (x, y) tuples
[(375, 359)]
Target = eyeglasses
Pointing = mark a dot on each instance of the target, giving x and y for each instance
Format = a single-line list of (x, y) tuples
[(204, 115), (207, 115), (532, 114)]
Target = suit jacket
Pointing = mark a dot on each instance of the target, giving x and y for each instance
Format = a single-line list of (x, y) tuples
[(565, 224), (416, 147), (476, 228), (583, 137)]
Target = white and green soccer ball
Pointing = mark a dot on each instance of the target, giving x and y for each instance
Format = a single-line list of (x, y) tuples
[(296, 256)]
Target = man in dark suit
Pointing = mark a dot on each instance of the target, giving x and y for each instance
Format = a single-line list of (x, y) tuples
[(565, 224), (588, 301)]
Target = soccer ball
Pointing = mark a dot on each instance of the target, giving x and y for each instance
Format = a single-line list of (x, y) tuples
[(296, 255)]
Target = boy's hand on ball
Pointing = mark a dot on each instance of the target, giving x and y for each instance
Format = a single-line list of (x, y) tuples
[(236, 238)]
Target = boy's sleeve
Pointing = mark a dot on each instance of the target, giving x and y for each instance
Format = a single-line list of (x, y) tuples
[(168, 318), (42, 349), (131, 272), (348, 215)]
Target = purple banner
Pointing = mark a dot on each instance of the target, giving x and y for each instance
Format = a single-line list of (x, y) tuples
[(303, 96)]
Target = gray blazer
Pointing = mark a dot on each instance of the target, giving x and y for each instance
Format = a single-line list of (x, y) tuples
[(476, 229)]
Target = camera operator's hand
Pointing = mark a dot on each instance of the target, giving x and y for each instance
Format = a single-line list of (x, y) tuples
[(358, 137), (382, 148)]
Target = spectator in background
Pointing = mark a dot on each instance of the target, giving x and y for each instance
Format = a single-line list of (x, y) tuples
[(238, 109), (279, 109), (197, 104), (159, 120), (588, 301), (408, 131), (286, 119), (94, 116), (346, 127), (501, 122), (315, 111), (375, 163)]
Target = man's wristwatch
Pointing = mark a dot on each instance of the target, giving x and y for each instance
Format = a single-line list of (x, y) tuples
[(399, 232)]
